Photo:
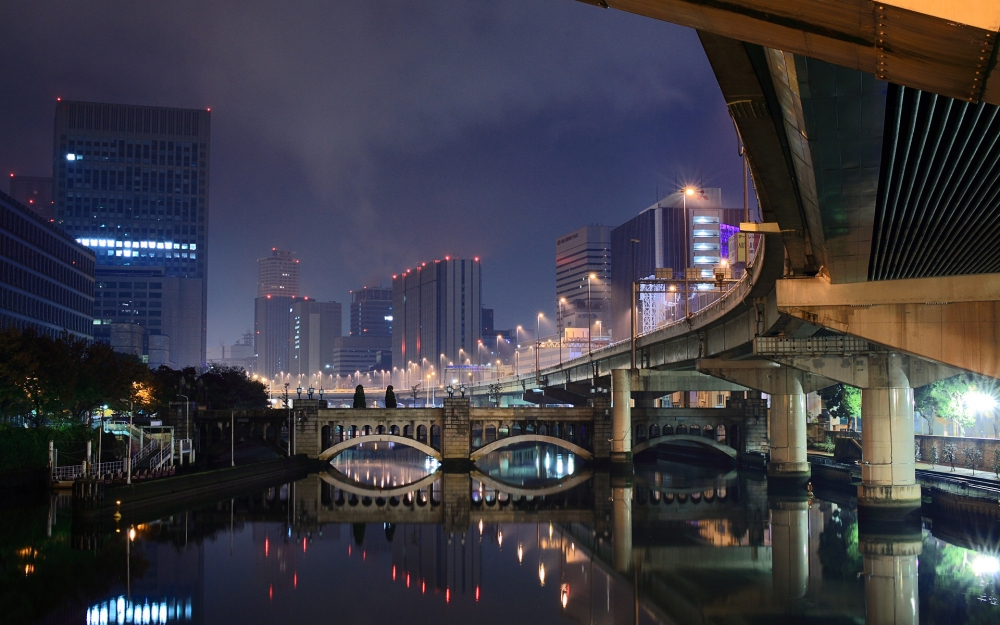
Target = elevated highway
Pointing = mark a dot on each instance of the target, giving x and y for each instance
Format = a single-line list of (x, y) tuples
[(872, 136)]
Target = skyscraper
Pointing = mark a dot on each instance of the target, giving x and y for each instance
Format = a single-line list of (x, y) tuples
[(666, 239), (437, 311), (272, 317), (131, 183), (46, 280), (371, 312), (314, 326), (581, 254), (278, 274)]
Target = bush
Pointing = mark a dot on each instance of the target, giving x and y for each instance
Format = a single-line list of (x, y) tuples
[(827, 446)]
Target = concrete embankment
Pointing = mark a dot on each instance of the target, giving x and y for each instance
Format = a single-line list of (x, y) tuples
[(94, 500)]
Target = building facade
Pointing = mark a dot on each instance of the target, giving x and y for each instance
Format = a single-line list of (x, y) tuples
[(582, 303), (682, 230), (271, 320), (132, 184), (352, 354), (35, 192), (371, 312), (166, 307), (46, 278), (313, 328), (278, 274), (437, 313)]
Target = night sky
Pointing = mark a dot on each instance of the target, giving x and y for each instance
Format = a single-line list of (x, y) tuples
[(370, 136)]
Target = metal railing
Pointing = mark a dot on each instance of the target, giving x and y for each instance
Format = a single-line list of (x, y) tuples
[(145, 451), (109, 468), (160, 458), (67, 473)]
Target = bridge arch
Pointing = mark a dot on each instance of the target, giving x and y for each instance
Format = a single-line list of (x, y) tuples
[(677, 438), (530, 438), (378, 438)]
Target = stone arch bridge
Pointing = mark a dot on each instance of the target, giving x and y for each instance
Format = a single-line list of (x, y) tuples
[(459, 434)]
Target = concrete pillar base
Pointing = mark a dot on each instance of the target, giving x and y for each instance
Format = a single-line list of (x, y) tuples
[(889, 502)]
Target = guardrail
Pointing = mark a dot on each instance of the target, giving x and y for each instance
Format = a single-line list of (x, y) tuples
[(67, 473), (145, 451), (160, 458)]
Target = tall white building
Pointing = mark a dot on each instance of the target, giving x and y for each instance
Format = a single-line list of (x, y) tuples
[(579, 254), (278, 274)]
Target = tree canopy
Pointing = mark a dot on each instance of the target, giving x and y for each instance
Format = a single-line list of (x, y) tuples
[(61, 381)]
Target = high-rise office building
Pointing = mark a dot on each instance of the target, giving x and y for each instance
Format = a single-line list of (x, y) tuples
[(271, 320), (167, 308), (46, 279), (35, 192), (313, 328), (131, 183), (582, 254), (371, 312), (278, 274), (437, 311), (666, 239)]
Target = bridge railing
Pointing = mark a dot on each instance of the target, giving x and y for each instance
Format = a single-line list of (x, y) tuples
[(735, 294)]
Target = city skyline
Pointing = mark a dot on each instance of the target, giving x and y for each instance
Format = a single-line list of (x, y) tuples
[(397, 174)]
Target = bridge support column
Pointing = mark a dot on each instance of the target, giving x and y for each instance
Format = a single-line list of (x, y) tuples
[(621, 416), (455, 435), (621, 503), (787, 386), (787, 420), (790, 548), (891, 595), (888, 479)]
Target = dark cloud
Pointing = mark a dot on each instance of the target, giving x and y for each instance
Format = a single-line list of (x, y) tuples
[(369, 136)]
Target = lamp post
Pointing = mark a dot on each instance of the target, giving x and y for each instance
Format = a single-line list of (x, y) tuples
[(131, 408), (538, 343), (559, 327), (590, 343), (187, 421), (632, 308)]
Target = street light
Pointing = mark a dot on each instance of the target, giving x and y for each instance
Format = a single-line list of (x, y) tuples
[(559, 327), (187, 422), (687, 223), (590, 343), (538, 321), (633, 306)]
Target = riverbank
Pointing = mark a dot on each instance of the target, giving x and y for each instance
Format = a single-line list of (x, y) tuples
[(154, 496)]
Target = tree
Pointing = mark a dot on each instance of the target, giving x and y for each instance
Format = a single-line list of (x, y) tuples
[(390, 397), (359, 397), (945, 399), (843, 401), (950, 454), (973, 457)]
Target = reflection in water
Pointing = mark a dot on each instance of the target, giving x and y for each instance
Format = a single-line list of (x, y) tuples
[(513, 543), (382, 465), (529, 464)]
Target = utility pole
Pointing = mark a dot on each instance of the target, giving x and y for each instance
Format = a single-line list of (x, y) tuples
[(632, 309)]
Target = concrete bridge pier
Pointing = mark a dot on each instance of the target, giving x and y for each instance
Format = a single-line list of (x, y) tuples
[(788, 465), (789, 548), (621, 417), (891, 589), (621, 540), (888, 487), (888, 478)]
